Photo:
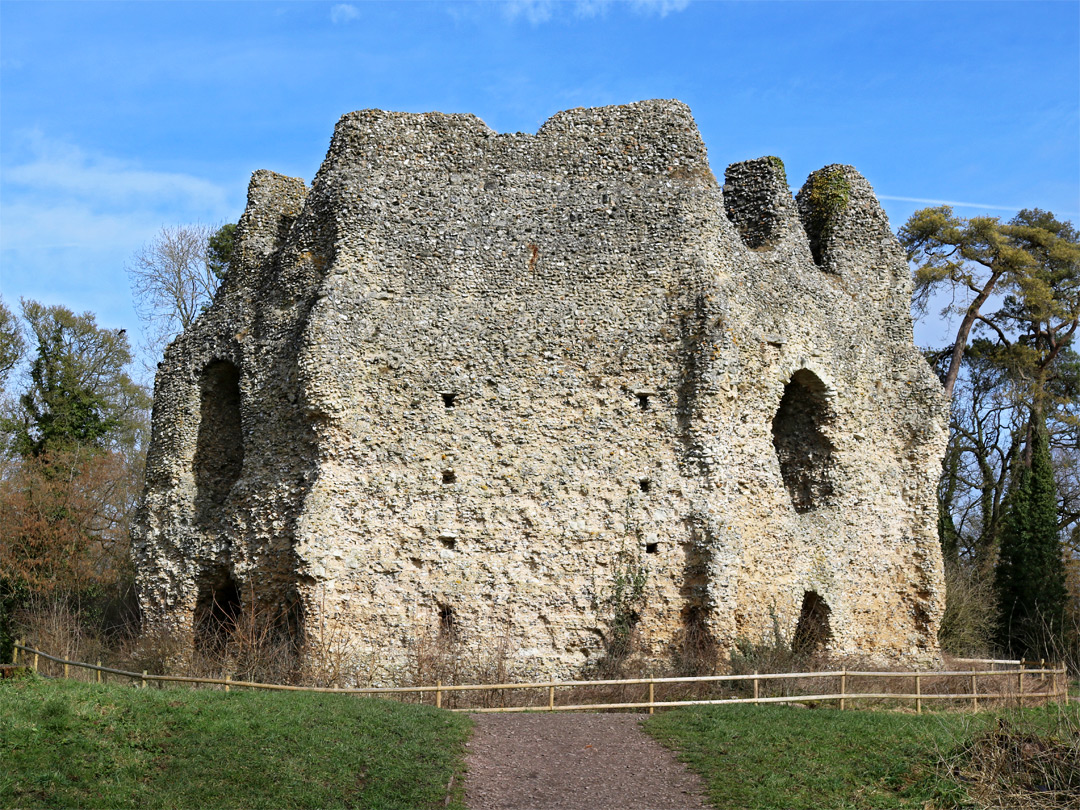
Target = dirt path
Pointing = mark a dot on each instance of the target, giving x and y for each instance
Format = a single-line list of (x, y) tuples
[(573, 761)]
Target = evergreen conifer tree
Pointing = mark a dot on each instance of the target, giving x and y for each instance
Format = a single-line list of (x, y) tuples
[(1030, 570)]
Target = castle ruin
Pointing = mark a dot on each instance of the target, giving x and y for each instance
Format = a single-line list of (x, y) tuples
[(542, 389)]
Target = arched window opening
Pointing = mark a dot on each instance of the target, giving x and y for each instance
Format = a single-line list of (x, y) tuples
[(804, 451), (219, 448), (217, 608), (813, 632)]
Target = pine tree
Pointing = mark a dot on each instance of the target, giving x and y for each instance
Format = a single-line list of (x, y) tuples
[(1030, 570)]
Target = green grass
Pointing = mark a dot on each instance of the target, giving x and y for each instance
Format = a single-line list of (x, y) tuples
[(65, 744), (780, 757)]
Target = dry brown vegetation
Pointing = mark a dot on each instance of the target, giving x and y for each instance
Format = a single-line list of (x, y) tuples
[(1019, 764)]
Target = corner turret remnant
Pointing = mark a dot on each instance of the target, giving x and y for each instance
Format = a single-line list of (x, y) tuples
[(468, 386)]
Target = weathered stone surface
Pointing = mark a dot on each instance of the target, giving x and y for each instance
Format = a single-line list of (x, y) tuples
[(469, 378)]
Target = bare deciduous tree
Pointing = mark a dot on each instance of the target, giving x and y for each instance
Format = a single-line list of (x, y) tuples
[(173, 277)]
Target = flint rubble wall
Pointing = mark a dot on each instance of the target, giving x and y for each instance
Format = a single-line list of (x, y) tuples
[(480, 377)]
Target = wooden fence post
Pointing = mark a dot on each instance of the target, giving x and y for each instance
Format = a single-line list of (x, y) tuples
[(756, 686), (974, 695), (918, 693), (1020, 680), (438, 694), (15, 653), (66, 670), (227, 679), (652, 696), (551, 698), (35, 662), (843, 688), (1053, 683), (144, 679)]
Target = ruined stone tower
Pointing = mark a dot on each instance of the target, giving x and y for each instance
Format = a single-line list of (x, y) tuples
[(532, 389)]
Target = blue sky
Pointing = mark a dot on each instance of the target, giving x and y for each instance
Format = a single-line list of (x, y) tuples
[(119, 118)]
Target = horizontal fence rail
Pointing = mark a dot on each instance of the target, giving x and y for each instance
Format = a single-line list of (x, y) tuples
[(1029, 682)]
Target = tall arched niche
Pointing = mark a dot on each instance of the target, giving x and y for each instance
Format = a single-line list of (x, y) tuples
[(219, 448), (803, 449)]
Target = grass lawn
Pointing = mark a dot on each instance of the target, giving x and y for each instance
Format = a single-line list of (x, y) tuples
[(66, 744), (782, 757)]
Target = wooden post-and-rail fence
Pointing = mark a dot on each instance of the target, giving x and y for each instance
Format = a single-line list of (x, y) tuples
[(1029, 682)]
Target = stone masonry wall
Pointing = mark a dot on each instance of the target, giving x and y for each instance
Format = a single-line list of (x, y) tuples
[(481, 379)]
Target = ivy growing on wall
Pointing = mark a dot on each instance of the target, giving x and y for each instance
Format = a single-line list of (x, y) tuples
[(623, 600), (830, 193), (778, 166)]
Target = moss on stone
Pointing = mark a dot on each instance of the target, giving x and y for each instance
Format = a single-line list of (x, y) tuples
[(830, 193), (778, 165)]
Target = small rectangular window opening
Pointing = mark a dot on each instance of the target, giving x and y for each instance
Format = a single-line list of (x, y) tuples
[(449, 477), (446, 622), (643, 401), (448, 398), (644, 484), (448, 542), (651, 548)]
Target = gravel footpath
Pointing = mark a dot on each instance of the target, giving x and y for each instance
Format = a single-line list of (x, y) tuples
[(569, 761)]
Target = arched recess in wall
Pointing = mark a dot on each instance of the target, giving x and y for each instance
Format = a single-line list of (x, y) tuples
[(813, 631), (219, 448), (804, 451), (217, 607), (697, 651)]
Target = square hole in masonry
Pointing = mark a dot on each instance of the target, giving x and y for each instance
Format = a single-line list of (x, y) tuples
[(449, 399), (449, 477), (652, 548), (644, 484)]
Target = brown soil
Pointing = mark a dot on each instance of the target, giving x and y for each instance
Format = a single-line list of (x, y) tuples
[(569, 761)]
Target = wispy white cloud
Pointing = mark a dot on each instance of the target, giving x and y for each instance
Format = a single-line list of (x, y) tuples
[(57, 169), (58, 196), (534, 11), (72, 218), (541, 11), (343, 13), (951, 203), (66, 226), (660, 8), (60, 171)]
